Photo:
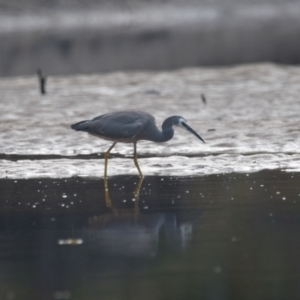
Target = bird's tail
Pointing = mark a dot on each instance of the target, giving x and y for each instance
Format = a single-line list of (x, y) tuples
[(81, 126)]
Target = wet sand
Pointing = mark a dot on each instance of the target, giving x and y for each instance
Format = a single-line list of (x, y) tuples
[(250, 122)]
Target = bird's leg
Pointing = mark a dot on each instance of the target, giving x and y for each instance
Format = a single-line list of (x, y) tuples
[(139, 184), (106, 156), (106, 191), (136, 161)]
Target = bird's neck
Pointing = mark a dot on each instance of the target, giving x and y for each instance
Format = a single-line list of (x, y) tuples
[(154, 134), (167, 130), (166, 135), (160, 136)]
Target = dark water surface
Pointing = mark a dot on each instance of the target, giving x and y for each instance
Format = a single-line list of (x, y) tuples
[(233, 236)]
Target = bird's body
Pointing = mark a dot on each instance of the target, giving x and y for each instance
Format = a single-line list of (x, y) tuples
[(129, 127), (124, 126)]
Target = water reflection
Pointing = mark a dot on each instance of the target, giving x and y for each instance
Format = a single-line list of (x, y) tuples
[(126, 232), (135, 235), (233, 236), (136, 194)]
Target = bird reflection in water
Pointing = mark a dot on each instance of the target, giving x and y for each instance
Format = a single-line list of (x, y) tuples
[(136, 194), (134, 232)]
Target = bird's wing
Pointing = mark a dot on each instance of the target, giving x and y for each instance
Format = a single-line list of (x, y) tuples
[(120, 125)]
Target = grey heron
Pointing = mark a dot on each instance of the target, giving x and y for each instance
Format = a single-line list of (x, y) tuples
[(131, 126)]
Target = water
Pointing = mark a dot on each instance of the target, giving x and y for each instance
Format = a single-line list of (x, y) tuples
[(231, 236), (210, 221)]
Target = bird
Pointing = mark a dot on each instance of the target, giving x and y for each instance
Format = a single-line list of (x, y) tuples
[(131, 126)]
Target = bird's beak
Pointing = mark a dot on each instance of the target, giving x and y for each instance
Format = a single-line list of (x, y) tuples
[(191, 130)]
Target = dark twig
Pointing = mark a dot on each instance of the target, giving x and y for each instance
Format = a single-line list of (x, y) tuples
[(203, 98), (42, 80)]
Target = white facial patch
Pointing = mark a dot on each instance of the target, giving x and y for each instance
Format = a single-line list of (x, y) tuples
[(181, 121)]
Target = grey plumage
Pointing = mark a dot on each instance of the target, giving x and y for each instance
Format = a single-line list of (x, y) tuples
[(130, 127)]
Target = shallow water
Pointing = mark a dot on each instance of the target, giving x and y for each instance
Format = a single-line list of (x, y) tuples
[(231, 236)]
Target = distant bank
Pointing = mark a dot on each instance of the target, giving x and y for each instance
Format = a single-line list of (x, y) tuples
[(152, 36)]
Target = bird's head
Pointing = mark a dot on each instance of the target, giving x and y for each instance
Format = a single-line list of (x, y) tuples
[(182, 123)]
